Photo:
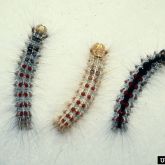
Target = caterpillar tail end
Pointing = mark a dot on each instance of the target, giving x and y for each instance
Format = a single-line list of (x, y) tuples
[(119, 126), (61, 127), (24, 120)]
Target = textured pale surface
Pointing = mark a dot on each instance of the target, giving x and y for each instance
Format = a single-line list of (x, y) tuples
[(132, 29)]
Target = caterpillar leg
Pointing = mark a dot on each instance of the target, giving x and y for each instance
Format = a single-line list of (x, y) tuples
[(87, 90)]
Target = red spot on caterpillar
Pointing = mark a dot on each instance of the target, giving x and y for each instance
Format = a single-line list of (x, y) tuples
[(30, 68), (20, 84), (89, 97), (83, 105), (21, 113), (20, 94), (21, 105), (73, 109), (130, 95), (86, 85), (119, 119), (82, 93), (121, 112), (21, 74), (93, 88), (133, 85), (138, 77), (63, 120), (68, 115), (24, 66), (25, 94), (27, 76), (122, 102), (78, 102), (26, 85), (77, 113)]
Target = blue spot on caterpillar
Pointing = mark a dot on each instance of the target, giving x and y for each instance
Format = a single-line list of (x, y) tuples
[(24, 76), (133, 86)]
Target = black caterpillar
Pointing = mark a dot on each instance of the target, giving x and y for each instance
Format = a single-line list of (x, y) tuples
[(133, 86)]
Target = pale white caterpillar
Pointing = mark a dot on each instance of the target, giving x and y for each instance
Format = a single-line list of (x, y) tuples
[(24, 76), (87, 90)]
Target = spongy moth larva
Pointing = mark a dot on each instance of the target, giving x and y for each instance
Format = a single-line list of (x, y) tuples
[(133, 86), (87, 90), (24, 76)]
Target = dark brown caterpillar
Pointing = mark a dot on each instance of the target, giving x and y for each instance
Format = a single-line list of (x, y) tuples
[(133, 86)]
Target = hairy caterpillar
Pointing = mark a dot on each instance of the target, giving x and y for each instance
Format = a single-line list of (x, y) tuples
[(24, 76), (132, 87), (87, 90)]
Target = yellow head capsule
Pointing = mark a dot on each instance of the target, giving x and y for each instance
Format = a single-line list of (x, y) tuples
[(98, 50), (41, 29)]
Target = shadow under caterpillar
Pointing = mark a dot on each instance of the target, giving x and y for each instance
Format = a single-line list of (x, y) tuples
[(132, 87), (87, 90), (24, 76)]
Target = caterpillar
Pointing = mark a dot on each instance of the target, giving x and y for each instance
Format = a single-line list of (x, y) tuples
[(132, 87), (87, 90), (24, 76)]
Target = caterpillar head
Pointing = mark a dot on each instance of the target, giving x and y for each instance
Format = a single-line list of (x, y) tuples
[(98, 50), (162, 52), (40, 30)]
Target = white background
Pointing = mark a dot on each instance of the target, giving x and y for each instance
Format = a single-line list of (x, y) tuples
[(131, 30)]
